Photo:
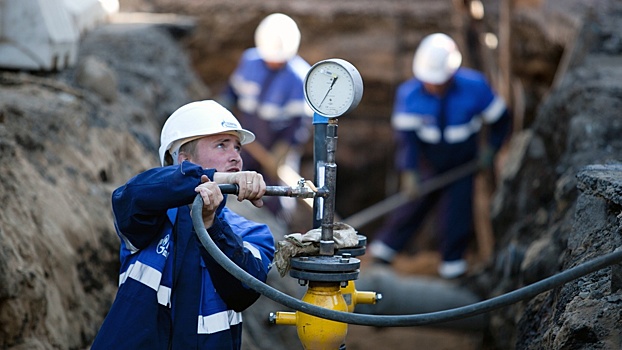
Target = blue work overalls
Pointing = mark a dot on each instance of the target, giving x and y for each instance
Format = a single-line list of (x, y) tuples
[(172, 294), (437, 134)]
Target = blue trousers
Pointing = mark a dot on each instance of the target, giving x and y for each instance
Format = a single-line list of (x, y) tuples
[(455, 221)]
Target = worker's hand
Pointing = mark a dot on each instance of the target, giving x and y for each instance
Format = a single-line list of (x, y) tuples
[(212, 197), (250, 183), (409, 183), (486, 158)]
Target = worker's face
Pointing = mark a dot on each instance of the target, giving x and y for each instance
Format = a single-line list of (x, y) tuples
[(437, 89), (220, 152), (275, 65)]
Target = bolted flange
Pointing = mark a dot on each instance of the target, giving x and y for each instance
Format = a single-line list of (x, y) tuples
[(336, 268)]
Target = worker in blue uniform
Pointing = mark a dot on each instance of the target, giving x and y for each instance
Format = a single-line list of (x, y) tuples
[(438, 115), (172, 294), (266, 91)]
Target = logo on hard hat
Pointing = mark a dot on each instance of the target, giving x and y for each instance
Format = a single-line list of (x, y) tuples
[(226, 124)]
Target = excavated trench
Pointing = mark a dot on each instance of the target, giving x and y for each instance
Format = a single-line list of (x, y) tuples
[(380, 42), (539, 68)]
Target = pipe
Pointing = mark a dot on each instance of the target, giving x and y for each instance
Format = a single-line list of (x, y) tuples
[(478, 308), (327, 244), (417, 295), (283, 191), (320, 125), (324, 148)]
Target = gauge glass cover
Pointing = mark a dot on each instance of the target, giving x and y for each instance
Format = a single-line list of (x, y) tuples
[(333, 87)]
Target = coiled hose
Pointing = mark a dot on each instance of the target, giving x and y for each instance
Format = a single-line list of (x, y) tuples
[(481, 307)]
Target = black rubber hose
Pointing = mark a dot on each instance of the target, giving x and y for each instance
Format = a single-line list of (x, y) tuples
[(396, 320)]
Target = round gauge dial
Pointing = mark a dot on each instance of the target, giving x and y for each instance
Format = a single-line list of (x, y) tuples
[(333, 87)]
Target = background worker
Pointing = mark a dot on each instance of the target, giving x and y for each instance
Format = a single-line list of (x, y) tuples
[(266, 90), (437, 118), (172, 294)]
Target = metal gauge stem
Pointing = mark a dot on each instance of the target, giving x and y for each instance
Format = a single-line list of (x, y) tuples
[(333, 87)]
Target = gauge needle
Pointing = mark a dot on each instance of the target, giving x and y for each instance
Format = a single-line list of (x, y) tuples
[(330, 88)]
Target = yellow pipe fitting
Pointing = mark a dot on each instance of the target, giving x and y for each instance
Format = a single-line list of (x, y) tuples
[(284, 318), (317, 333), (351, 296), (354, 297), (365, 298)]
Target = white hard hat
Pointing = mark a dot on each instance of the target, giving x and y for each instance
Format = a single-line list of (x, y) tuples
[(436, 59), (195, 120), (277, 38)]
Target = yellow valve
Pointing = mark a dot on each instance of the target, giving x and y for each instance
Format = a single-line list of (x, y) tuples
[(351, 296), (316, 333), (354, 297)]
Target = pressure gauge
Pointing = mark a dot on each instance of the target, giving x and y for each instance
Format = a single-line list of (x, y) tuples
[(333, 87)]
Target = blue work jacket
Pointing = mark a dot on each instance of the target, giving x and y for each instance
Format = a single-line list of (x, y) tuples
[(443, 129), (271, 102), (172, 294)]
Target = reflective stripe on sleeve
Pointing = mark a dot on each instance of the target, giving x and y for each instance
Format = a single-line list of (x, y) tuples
[(460, 133), (164, 295), (245, 87), (247, 104), (150, 277), (494, 111), (429, 134), (406, 121), (270, 111), (253, 250), (296, 108), (218, 322)]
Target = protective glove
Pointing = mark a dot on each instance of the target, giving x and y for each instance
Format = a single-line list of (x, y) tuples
[(409, 183), (486, 157)]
